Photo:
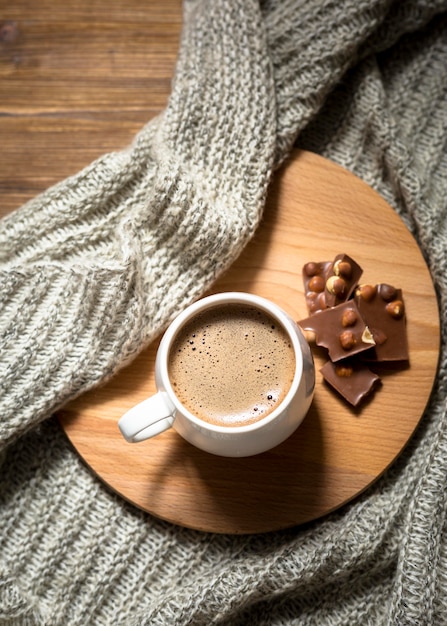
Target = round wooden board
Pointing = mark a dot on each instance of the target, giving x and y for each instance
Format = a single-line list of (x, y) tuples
[(315, 210)]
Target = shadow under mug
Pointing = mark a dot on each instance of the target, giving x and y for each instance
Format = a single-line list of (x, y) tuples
[(164, 410)]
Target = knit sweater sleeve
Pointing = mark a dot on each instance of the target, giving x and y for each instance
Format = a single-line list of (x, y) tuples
[(94, 268)]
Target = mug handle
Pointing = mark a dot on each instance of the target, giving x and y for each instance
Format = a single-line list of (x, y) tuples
[(148, 418)]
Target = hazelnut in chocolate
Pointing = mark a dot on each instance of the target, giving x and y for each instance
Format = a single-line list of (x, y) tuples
[(354, 381), (383, 309), (341, 330), (314, 280), (341, 280)]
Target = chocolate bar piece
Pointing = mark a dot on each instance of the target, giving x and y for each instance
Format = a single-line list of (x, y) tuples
[(314, 280), (329, 283), (383, 309), (358, 324), (341, 330), (353, 380), (341, 280)]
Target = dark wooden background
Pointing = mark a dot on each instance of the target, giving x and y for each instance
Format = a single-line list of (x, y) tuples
[(78, 78)]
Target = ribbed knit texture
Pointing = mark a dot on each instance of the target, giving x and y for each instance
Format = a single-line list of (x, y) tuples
[(94, 268)]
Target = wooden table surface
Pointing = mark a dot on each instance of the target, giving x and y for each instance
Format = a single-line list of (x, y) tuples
[(77, 79)]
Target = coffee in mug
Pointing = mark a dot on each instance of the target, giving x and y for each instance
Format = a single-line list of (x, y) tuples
[(231, 365), (234, 376)]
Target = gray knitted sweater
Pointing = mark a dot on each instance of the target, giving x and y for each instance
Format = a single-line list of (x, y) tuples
[(92, 269)]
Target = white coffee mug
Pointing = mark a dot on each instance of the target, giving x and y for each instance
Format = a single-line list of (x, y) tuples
[(164, 409)]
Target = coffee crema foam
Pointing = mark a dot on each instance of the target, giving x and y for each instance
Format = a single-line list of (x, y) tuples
[(232, 365)]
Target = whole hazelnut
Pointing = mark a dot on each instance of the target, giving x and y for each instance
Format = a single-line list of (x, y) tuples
[(396, 309), (387, 292), (343, 268), (347, 340), (311, 268), (348, 318), (321, 300), (366, 292), (316, 283), (336, 286)]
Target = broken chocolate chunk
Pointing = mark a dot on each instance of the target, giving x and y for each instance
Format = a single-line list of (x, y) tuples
[(341, 280), (358, 324), (341, 330), (353, 380), (314, 280), (384, 312)]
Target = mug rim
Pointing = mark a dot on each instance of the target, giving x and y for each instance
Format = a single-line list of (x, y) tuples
[(231, 297)]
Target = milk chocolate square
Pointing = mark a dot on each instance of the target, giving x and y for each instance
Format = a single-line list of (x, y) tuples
[(341, 330), (383, 309), (352, 379)]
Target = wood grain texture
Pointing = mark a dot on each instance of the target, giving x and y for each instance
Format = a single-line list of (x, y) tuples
[(78, 79)]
